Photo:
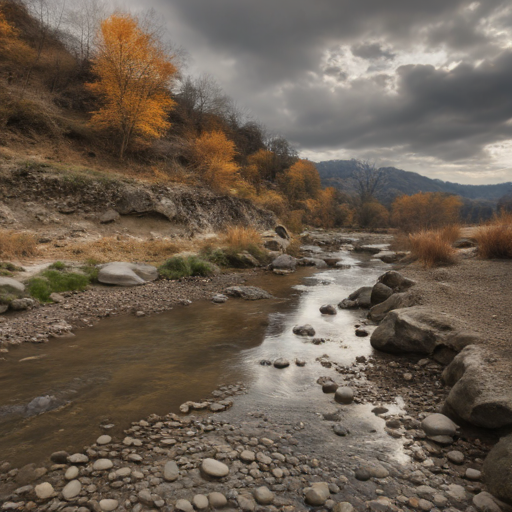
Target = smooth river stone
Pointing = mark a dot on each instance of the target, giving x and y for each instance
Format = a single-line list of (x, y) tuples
[(108, 505), (438, 425), (44, 490), (171, 471), (104, 439), (78, 458), (184, 506), (200, 502), (264, 496), (217, 500), (318, 494), (123, 472), (71, 473), (214, 468), (72, 490), (102, 465), (344, 395)]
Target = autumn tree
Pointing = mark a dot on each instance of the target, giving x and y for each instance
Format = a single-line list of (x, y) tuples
[(12, 48), (301, 181), (213, 155), (426, 210), (329, 210), (135, 72)]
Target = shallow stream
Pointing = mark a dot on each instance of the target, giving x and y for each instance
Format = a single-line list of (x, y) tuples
[(126, 368)]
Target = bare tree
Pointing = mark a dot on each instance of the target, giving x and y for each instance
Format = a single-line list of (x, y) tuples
[(369, 179)]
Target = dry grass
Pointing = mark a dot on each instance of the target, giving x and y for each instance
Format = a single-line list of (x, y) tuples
[(431, 248), (239, 238), (450, 233), (15, 245), (117, 249), (495, 239)]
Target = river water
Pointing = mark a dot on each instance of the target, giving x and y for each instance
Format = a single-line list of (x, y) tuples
[(126, 368)]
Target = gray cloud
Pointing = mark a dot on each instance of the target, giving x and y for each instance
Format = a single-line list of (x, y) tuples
[(289, 62)]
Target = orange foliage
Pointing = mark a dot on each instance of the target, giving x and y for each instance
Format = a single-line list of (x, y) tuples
[(134, 74), (301, 181), (427, 210), (213, 154), (12, 48), (431, 248), (327, 212)]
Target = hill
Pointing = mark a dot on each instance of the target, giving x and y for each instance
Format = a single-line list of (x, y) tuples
[(338, 174)]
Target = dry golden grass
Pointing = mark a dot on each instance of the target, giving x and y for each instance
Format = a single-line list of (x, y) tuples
[(239, 238), (431, 248), (15, 245), (495, 239), (116, 249), (450, 233)]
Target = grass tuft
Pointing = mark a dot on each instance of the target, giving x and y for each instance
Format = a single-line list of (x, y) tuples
[(495, 239), (17, 245), (50, 281), (178, 267), (432, 248)]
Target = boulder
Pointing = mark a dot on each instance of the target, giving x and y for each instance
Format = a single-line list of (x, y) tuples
[(282, 232), (485, 502), (304, 330), (276, 244), (126, 274), (396, 281), (497, 470), (438, 425), (9, 286), (380, 292), (284, 262), (418, 330), (395, 301), (22, 304), (361, 298), (328, 309), (480, 394), (109, 216), (248, 293)]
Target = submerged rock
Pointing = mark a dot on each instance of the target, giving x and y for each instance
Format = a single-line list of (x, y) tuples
[(328, 309), (248, 292), (304, 330)]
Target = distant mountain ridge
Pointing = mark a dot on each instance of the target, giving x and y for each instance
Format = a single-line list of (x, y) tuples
[(338, 174)]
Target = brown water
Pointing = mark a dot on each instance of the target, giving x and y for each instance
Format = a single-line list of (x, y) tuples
[(126, 368)]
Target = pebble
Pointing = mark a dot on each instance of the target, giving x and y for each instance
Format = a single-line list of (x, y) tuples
[(473, 474), (184, 506), (247, 456), (438, 425), (328, 309), (484, 502), (71, 490), (217, 500), (304, 330), (71, 473), (107, 505), (104, 439), (246, 503), (44, 491), (214, 468), (317, 494), (123, 472), (263, 495), (171, 471), (102, 465), (329, 387), (344, 506), (344, 395), (78, 458), (281, 363), (361, 333), (455, 456), (200, 501), (340, 430)]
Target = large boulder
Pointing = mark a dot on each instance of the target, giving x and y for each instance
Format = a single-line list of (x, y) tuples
[(9, 286), (248, 292), (276, 244), (498, 470), (284, 262), (481, 392), (396, 281), (380, 292), (395, 301), (418, 330), (126, 274), (361, 298)]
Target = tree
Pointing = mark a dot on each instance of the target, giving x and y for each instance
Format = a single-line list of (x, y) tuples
[(425, 211), (301, 181), (368, 180), (135, 72), (12, 48)]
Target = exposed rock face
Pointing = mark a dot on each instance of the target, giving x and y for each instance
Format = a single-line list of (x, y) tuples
[(395, 301), (479, 395), (498, 470), (126, 274), (418, 330), (248, 292)]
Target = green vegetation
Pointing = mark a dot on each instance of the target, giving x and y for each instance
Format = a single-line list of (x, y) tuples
[(178, 267), (50, 281), (7, 268), (58, 265)]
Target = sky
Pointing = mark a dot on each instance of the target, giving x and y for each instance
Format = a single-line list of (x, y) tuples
[(425, 86)]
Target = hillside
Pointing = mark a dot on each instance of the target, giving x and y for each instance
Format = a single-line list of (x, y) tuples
[(338, 174)]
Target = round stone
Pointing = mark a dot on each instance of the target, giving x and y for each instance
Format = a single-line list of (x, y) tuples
[(455, 456), (263, 495), (102, 465), (78, 458), (438, 425), (329, 387), (317, 494), (214, 468), (361, 333), (363, 474), (103, 440), (123, 472), (71, 490), (44, 490), (71, 473), (217, 500), (344, 395), (247, 456), (171, 471), (340, 430), (473, 474), (328, 309), (200, 502), (184, 506), (108, 505), (304, 330), (281, 363)]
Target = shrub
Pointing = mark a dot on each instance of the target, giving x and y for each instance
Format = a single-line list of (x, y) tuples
[(241, 238), (451, 233), (495, 239), (50, 281), (431, 249), (215, 256), (17, 245), (178, 267), (57, 265)]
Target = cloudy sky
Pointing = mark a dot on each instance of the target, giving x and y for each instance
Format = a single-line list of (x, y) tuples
[(423, 85)]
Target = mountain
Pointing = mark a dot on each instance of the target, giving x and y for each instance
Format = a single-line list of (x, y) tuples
[(338, 174)]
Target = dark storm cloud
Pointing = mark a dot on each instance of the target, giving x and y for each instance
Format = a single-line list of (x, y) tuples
[(289, 62)]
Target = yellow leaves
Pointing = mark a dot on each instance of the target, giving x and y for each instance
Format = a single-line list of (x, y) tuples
[(425, 211), (134, 75), (301, 181), (12, 48)]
